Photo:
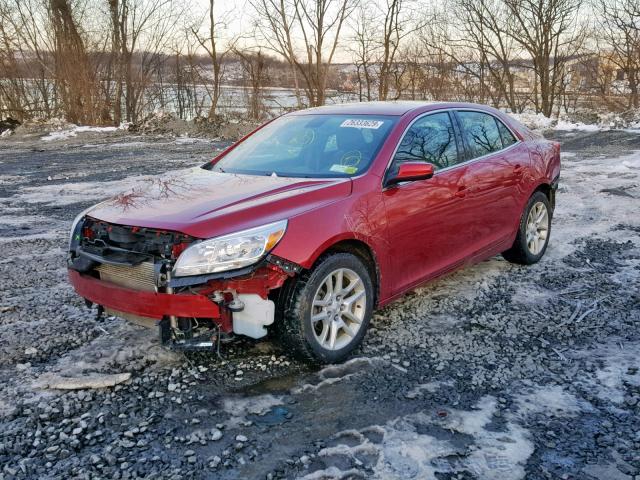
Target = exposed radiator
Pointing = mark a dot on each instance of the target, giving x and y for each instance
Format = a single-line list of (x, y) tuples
[(139, 277)]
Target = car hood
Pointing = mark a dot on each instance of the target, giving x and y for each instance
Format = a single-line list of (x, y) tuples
[(203, 203)]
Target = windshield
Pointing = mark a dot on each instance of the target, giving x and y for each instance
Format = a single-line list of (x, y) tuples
[(310, 146)]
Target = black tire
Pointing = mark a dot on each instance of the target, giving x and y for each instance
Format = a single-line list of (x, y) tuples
[(519, 253), (293, 324)]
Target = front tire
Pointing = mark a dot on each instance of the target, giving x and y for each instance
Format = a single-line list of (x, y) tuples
[(533, 232), (324, 313)]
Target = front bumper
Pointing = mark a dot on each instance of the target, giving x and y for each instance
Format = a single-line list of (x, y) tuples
[(143, 303)]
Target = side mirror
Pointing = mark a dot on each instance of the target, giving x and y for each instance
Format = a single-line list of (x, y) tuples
[(409, 171)]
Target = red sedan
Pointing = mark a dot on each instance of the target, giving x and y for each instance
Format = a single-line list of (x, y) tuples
[(308, 224)]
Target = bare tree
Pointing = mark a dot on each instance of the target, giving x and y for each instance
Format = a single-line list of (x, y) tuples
[(28, 41), (484, 27), (14, 90), (318, 24), (363, 47), (189, 98), (397, 24), (145, 29), (619, 23), (117, 58), (412, 56), (275, 21), (74, 76), (254, 67), (551, 34), (443, 63), (216, 52)]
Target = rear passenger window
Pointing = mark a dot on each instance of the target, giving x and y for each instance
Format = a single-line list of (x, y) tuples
[(506, 135), (430, 139), (481, 132)]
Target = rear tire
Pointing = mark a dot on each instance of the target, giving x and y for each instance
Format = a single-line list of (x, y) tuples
[(323, 314), (533, 232)]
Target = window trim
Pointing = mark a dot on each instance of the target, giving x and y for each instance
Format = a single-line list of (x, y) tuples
[(513, 135), (468, 148), (459, 142), (460, 150)]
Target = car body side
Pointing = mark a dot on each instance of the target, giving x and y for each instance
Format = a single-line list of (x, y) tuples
[(362, 219)]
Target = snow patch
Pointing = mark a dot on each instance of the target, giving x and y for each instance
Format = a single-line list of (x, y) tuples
[(24, 220), (621, 365), (186, 140), (35, 236), (538, 122), (534, 121), (584, 205), (337, 373), (10, 179), (75, 130), (407, 449), (431, 387), (70, 193), (565, 125), (333, 473), (552, 400), (116, 349), (241, 407)]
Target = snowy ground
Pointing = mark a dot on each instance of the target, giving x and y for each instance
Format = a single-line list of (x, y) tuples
[(494, 372)]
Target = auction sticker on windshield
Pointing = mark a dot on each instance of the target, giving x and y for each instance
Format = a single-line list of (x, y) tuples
[(361, 123)]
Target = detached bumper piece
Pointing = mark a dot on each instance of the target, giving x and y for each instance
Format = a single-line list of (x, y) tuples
[(143, 303)]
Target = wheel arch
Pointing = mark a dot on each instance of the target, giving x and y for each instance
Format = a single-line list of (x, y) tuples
[(549, 191), (361, 250)]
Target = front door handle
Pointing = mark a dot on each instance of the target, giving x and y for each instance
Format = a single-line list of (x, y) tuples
[(462, 191)]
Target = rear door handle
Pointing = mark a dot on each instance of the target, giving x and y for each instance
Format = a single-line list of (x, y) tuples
[(462, 191)]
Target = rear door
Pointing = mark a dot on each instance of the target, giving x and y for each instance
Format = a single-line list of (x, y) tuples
[(426, 218), (496, 162)]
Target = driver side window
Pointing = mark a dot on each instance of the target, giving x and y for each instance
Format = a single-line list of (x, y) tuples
[(430, 139)]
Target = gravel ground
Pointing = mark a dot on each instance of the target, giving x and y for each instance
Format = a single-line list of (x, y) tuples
[(494, 372)]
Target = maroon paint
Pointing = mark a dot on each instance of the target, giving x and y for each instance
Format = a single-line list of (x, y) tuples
[(145, 304), (415, 230)]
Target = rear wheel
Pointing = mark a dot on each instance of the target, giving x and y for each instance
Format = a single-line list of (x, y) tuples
[(324, 313), (533, 232)]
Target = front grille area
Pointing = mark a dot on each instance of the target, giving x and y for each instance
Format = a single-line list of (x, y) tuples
[(102, 238), (138, 277)]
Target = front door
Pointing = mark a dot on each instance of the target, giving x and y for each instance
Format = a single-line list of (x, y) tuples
[(427, 218)]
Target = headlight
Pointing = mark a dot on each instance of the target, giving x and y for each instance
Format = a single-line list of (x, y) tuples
[(229, 252)]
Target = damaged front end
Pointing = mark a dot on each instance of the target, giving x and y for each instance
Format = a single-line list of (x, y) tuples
[(145, 276)]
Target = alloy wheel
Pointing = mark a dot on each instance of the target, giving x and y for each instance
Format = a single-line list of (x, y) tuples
[(338, 309), (537, 228)]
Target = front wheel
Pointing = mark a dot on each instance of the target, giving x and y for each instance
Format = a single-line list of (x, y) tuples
[(324, 314), (533, 232)]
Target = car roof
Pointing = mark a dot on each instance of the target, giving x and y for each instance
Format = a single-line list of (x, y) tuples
[(393, 108)]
